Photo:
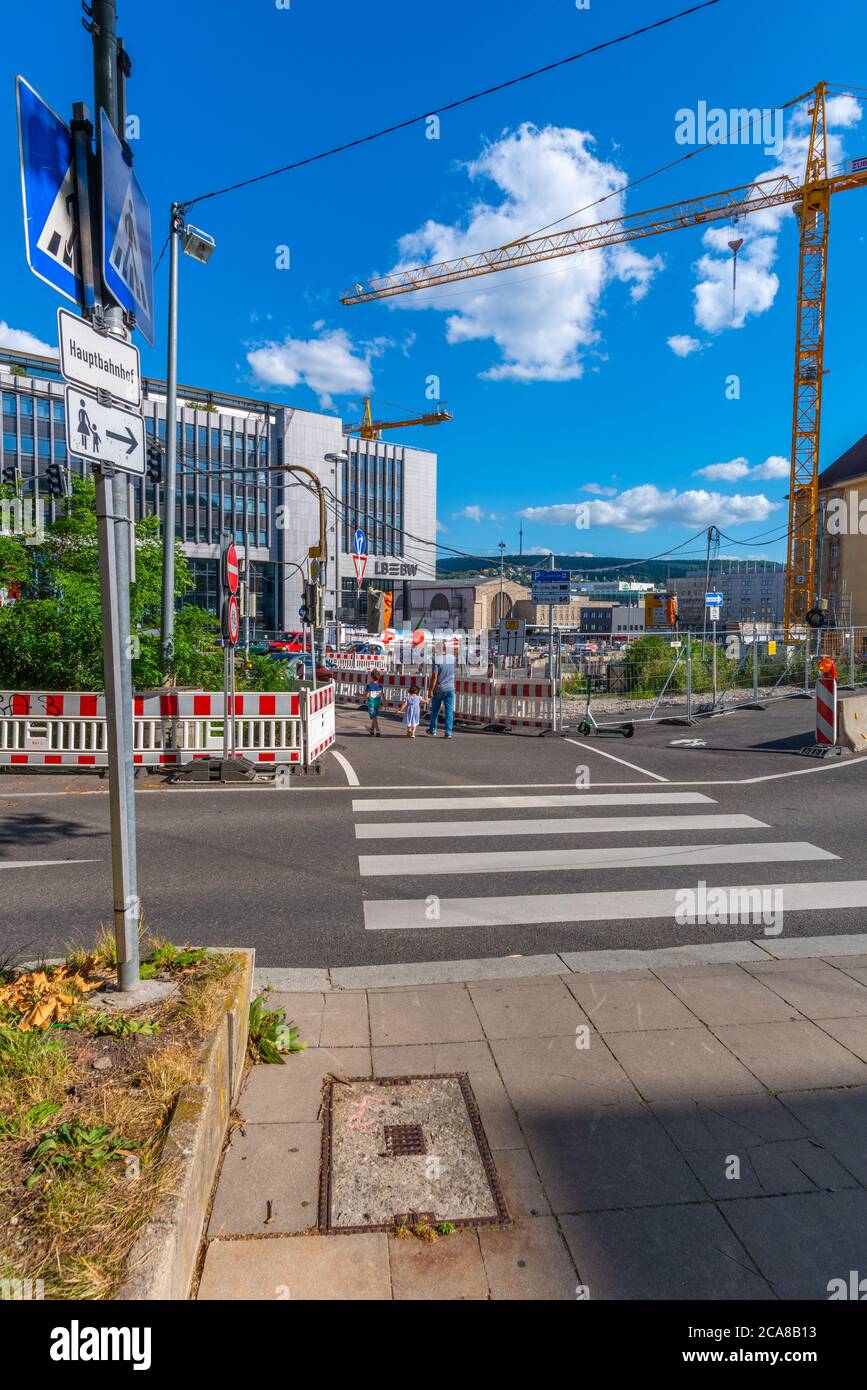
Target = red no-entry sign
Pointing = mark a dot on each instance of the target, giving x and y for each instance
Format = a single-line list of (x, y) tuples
[(231, 572), (231, 620)]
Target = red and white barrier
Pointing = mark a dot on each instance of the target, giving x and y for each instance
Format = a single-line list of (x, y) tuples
[(826, 709), (525, 704), (319, 722), (170, 728)]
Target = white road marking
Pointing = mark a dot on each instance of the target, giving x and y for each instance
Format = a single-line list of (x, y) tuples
[(41, 863), (590, 746), (534, 909), (613, 857), (347, 767), (559, 825), (514, 803)]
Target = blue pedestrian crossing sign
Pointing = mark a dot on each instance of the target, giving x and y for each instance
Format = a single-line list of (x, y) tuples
[(48, 194), (360, 542), (127, 253)]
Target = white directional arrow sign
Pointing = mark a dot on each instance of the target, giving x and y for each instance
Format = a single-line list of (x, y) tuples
[(104, 433)]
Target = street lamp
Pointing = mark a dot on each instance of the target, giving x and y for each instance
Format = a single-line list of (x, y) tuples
[(200, 247)]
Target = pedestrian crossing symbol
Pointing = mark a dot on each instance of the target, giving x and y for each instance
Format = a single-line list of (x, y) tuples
[(127, 250), (48, 194)]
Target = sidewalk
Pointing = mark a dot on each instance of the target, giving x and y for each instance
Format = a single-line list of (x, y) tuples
[(709, 1141)]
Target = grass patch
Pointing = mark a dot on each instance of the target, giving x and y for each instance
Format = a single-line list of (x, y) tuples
[(80, 1145)]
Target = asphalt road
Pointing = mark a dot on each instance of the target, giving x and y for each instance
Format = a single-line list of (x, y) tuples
[(479, 846)]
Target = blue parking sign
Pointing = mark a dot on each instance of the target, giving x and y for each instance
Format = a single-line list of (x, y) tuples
[(48, 194), (127, 252)]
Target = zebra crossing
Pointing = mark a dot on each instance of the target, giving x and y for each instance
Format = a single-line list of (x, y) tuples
[(679, 830)]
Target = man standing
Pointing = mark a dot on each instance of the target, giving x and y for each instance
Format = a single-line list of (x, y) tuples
[(442, 694)]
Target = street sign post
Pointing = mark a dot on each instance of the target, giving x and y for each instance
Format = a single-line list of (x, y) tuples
[(127, 252), (51, 232), (511, 637), (231, 568), (104, 434), (97, 362), (551, 586), (713, 600)]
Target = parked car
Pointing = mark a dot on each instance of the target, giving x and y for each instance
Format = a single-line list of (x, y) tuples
[(372, 647), (301, 666)]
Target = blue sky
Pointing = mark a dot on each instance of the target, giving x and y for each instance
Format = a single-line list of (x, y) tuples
[(561, 382)]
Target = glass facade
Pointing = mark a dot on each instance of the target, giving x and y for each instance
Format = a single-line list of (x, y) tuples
[(222, 481), (372, 496)]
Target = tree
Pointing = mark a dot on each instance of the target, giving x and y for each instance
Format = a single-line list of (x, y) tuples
[(52, 637)]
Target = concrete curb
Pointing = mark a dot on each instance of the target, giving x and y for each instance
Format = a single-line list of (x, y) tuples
[(163, 1260), (570, 962)]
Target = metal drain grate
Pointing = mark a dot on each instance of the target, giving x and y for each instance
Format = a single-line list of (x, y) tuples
[(404, 1139)]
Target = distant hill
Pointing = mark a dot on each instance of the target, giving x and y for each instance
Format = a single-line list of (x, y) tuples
[(597, 567)]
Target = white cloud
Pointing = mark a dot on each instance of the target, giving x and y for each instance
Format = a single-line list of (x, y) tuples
[(773, 467), (682, 344), (757, 284), (640, 508), (477, 514), (598, 491), (543, 320), (19, 340), (724, 472), (440, 527), (331, 365)]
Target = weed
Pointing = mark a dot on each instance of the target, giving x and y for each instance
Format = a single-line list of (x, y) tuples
[(270, 1035), (34, 1118), (74, 1146), (422, 1231), (104, 1025), (445, 1228), (166, 956)]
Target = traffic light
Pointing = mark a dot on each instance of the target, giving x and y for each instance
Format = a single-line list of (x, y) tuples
[(56, 481), (10, 474), (155, 464), (312, 603), (375, 611)]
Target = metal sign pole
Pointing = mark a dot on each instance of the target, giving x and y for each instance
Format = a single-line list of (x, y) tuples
[(225, 701), (232, 698)]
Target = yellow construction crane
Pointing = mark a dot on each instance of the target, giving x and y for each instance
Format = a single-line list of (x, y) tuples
[(811, 198), (372, 429)]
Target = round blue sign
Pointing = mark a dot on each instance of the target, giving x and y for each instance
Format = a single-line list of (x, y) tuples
[(360, 542)]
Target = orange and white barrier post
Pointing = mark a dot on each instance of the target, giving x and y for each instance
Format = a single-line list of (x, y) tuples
[(826, 702)]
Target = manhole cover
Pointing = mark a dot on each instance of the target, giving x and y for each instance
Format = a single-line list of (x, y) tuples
[(411, 1148)]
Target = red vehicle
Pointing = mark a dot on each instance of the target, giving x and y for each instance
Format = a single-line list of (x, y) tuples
[(289, 642)]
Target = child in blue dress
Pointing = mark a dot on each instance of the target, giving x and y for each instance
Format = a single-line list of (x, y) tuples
[(411, 710)]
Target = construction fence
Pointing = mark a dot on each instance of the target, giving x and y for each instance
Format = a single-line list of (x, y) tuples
[(170, 728), (690, 675)]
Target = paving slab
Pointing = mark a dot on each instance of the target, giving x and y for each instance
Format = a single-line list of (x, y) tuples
[(553, 1072), (851, 1033), (439, 1013), (792, 946), (838, 1119), (792, 1056), (671, 1252), (298, 1268), (452, 1268), (800, 1243), (292, 1094), (737, 998), (610, 1156), (530, 1261), (730, 1122), (679, 1064), (345, 1021), (524, 1011), (614, 1005), (304, 1008), (273, 1163), (522, 1186), (278, 978), (820, 994), (444, 971), (797, 1165)]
